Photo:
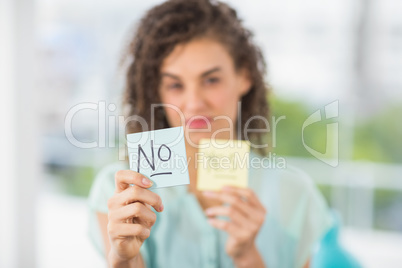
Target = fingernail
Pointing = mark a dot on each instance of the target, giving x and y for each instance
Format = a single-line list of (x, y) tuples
[(226, 188), (146, 182), (208, 211), (208, 193), (161, 208)]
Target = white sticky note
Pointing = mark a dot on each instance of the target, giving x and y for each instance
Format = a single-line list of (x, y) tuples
[(160, 155)]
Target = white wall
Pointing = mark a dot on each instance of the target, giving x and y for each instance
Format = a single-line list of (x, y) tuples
[(19, 141)]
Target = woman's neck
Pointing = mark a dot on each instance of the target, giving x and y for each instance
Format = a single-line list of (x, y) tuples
[(192, 171)]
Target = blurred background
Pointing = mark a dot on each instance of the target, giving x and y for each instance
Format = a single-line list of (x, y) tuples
[(56, 54)]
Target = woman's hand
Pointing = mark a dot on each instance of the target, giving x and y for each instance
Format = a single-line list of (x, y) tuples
[(246, 214), (130, 216)]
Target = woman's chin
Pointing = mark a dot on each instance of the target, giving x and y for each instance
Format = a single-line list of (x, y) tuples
[(193, 138)]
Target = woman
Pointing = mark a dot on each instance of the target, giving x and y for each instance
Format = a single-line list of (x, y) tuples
[(196, 56)]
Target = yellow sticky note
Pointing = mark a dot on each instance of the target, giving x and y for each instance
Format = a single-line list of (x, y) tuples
[(221, 163)]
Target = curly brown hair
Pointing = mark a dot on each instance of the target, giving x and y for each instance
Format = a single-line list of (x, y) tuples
[(179, 21)]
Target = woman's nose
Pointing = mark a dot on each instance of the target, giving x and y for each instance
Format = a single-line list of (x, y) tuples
[(194, 101)]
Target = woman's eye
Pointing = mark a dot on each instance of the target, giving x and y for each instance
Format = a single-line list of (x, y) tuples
[(212, 80), (174, 86)]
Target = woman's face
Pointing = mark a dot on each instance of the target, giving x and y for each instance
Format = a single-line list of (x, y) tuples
[(200, 88)]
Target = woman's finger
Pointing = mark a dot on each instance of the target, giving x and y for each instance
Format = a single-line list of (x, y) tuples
[(123, 230), (234, 214), (136, 212), (244, 193), (136, 194), (258, 211), (229, 227), (142, 214), (233, 200), (123, 179)]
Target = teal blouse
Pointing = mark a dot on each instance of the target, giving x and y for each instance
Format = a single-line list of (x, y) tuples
[(297, 218)]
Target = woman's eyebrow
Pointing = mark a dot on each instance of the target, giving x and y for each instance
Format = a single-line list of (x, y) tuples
[(215, 69), (171, 75)]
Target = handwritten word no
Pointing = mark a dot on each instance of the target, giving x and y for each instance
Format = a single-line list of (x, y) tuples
[(152, 162)]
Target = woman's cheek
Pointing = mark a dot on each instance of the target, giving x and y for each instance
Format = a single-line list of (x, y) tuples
[(225, 103), (173, 118)]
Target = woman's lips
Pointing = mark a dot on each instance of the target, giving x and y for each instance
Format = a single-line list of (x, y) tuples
[(201, 122)]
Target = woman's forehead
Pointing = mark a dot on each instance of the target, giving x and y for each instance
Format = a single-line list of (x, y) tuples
[(197, 57)]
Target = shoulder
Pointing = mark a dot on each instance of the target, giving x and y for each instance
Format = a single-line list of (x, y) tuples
[(295, 177), (273, 169), (106, 174), (103, 185), (289, 186), (288, 191), (295, 203), (112, 168)]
